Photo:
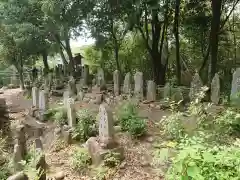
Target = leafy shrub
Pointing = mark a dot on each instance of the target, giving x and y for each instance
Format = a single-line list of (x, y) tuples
[(228, 122), (85, 127), (30, 163), (112, 159), (80, 159), (197, 160), (4, 168), (101, 173), (57, 114), (173, 126), (60, 116), (130, 121)]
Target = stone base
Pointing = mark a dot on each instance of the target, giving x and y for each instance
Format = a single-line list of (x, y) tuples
[(97, 153), (18, 176)]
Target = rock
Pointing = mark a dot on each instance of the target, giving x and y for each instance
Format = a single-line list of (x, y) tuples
[(150, 139), (59, 176), (122, 165), (18, 176), (117, 129)]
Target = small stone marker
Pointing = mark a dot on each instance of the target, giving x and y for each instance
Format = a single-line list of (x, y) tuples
[(235, 84), (86, 75), (167, 91), (99, 148), (71, 112), (43, 103), (196, 86), (21, 139), (106, 126), (101, 79), (116, 80), (18, 176), (35, 97), (151, 91), (65, 98), (127, 86), (138, 88), (17, 157), (215, 89), (72, 89), (177, 95)]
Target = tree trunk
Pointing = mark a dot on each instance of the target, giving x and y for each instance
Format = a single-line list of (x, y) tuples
[(176, 34), (45, 61), (70, 56), (19, 68), (214, 37)]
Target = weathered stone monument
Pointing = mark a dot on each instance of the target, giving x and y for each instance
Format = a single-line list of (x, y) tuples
[(151, 91), (35, 97), (215, 89), (138, 87), (167, 91), (20, 149), (43, 103), (71, 112), (196, 86), (86, 75), (177, 96), (235, 90), (65, 98), (116, 80), (101, 79), (127, 84), (72, 89), (106, 143)]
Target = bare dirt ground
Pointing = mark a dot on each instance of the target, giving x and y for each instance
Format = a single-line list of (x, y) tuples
[(138, 153)]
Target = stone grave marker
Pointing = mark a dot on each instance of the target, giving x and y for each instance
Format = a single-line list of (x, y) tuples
[(65, 98), (35, 97), (235, 84), (127, 85), (151, 91), (72, 89), (101, 79), (86, 75), (215, 89), (196, 86), (167, 91), (71, 112), (43, 103), (99, 147), (106, 126), (138, 88), (116, 80)]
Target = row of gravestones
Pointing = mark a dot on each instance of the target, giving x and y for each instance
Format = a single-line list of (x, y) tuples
[(20, 152), (196, 87)]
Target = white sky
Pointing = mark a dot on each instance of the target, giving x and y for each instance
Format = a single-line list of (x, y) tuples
[(81, 41)]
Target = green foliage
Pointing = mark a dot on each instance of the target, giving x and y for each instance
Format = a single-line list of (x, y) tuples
[(198, 160), (112, 159), (80, 159), (100, 173), (86, 126), (228, 122), (130, 121), (57, 114), (178, 124), (4, 168), (30, 163), (61, 116), (173, 125)]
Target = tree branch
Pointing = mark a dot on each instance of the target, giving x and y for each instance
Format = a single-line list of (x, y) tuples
[(228, 16)]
